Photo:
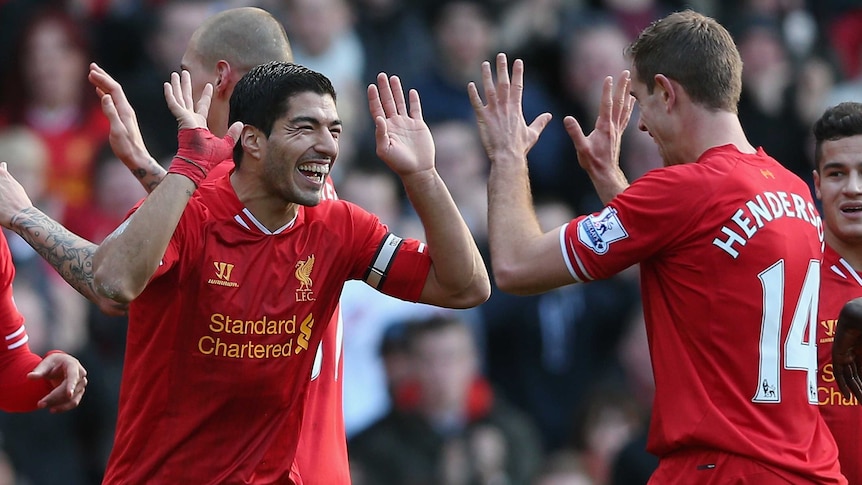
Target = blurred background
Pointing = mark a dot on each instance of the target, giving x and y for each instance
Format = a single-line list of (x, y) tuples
[(543, 390)]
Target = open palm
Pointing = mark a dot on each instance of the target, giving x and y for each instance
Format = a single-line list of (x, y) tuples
[(404, 141)]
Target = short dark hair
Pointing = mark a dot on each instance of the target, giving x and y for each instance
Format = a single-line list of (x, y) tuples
[(840, 121), (263, 95), (695, 51)]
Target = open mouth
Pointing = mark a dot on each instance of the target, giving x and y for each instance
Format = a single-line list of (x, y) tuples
[(316, 172)]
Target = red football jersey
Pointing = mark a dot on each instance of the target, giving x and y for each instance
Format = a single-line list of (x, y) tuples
[(222, 341), (729, 250), (839, 284), (17, 393)]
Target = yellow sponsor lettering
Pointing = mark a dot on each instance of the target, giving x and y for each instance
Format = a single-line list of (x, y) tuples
[(826, 373), (220, 323), (831, 396), (208, 345)]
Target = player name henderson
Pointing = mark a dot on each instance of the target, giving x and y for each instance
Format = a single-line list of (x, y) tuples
[(765, 208)]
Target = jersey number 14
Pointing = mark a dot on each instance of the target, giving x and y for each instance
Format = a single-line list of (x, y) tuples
[(799, 351)]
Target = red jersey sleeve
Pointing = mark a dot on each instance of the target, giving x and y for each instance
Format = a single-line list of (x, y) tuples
[(637, 224), (17, 393), (389, 263)]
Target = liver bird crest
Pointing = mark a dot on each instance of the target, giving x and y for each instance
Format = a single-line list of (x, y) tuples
[(303, 273)]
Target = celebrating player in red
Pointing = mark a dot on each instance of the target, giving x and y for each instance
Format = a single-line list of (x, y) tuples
[(232, 283), (730, 300)]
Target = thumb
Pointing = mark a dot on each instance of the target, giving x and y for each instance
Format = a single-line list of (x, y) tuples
[(234, 132), (40, 371), (573, 128), (541, 122)]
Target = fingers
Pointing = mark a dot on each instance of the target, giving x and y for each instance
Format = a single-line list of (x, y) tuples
[(475, 99), (415, 105), (64, 397), (488, 84), (186, 87), (234, 131), (72, 379), (374, 105), (503, 85), (606, 107), (110, 111), (620, 96), (203, 106), (387, 101), (398, 95)]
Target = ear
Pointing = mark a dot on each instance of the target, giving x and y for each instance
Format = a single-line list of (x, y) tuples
[(668, 90), (223, 82), (817, 185), (253, 142)]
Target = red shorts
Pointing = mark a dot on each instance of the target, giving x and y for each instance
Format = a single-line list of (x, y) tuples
[(711, 467)]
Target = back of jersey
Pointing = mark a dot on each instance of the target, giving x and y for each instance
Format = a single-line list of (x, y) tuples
[(730, 250)]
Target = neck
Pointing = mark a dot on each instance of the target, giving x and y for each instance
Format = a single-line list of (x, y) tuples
[(849, 250), (708, 129), (273, 212)]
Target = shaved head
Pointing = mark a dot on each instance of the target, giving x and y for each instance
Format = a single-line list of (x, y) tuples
[(244, 37)]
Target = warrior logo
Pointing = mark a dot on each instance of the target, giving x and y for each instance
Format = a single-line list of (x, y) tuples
[(222, 271)]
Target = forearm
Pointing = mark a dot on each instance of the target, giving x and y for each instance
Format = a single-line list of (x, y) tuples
[(514, 232), (512, 221), (69, 254), (125, 261), (457, 265)]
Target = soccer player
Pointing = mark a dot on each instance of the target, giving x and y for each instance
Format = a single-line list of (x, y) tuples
[(231, 283), (838, 185), (27, 381), (221, 50), (730, 300)]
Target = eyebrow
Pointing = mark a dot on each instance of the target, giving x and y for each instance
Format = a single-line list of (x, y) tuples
[(313, 121), (833, 164)]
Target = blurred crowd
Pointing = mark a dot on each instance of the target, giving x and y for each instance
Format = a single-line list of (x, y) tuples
[(544, 390)]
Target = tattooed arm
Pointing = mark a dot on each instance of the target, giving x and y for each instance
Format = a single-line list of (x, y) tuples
[(69, 254)]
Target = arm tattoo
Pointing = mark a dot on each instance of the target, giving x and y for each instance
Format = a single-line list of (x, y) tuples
[(68, 253)]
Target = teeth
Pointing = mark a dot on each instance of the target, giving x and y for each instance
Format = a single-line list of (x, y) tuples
[(315, 168)]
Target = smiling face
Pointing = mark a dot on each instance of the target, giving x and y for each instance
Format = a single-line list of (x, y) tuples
[(301, 149), (838, 184)]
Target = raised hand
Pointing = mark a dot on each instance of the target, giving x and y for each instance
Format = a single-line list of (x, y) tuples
[(67, 376), (501, 121), (125, 138), (600, 151), (199, 150), (404, 141)]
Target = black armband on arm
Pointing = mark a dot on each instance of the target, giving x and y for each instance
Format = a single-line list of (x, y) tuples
[(382, 261)]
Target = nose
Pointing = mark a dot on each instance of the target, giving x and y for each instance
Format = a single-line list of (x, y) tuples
[(327, 144), (854, 182), (641, 125)]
